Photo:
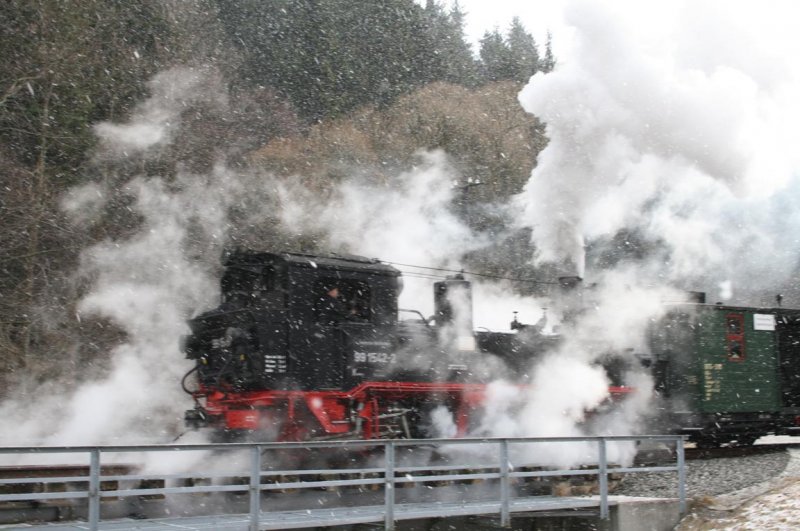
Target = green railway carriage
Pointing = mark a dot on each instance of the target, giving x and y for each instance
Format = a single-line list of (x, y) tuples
[(727, 373)]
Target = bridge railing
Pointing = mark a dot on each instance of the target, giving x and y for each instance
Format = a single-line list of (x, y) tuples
[(255, 469)]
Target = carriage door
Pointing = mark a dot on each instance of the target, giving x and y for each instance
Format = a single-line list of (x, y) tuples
[(788, 329)]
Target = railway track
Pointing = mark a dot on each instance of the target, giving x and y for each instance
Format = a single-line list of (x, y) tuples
[(692, 452)]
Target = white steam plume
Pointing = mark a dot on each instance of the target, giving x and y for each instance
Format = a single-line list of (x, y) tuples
[(157, 117), (674, 121), (146, 284), (568, 387), (149, 282), (670, 122), (408, 221)]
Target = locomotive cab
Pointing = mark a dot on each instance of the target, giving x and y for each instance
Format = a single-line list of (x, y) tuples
[(290, 321)]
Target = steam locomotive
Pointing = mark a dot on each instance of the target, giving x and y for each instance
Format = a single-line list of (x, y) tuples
[(307, 346)]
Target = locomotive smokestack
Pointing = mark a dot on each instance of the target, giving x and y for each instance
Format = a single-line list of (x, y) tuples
[(452, 299), (698, 297), (570, 296), (569, 283)]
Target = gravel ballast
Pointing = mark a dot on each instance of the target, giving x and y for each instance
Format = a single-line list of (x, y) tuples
[(708, 477)]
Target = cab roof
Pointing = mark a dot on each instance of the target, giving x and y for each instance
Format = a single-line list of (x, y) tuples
[(332, 261)]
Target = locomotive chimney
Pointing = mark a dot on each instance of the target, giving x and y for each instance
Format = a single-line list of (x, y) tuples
[(569, 283), (698, 297), (452, 299), (570, 296)]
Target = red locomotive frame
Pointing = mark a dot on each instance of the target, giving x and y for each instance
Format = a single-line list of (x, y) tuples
[(334, 412)]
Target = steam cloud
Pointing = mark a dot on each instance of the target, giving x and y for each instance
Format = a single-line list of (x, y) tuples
[(148, 283), (673, 123), (409, 221), (662, 128)]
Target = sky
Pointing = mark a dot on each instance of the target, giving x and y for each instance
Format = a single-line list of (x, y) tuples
[(538, 16), (543, 16)]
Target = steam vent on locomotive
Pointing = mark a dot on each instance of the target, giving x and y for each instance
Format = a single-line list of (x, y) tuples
[(305, 346)]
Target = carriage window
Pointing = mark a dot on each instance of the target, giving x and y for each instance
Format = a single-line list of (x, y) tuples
[(734, 335), (342, 300), (734, 324)]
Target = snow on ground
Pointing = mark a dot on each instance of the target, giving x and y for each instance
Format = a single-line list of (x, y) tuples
[(777, 439), (770, 506)]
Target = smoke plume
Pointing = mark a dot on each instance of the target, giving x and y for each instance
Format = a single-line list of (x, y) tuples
[(152, 275), (667, 126), (672, 123)]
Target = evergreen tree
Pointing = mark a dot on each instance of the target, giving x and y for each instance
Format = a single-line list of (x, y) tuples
[(454, 60), (523, 51), (515, 57), (548, 63), (66, 65), (496, 57), (69, 64), (330, 56)]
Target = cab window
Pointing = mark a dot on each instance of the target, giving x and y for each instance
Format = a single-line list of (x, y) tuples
[(245, 286), (342, 300)]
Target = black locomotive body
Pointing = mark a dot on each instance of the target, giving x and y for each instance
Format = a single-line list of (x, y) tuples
[(279, 328), (311, 346)]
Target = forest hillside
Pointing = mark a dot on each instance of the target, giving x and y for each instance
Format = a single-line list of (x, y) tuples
[(306, 94)]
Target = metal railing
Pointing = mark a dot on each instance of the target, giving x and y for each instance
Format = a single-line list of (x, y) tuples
[(508, 461)]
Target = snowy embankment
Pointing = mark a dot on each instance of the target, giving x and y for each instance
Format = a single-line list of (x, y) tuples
[(770, 505)]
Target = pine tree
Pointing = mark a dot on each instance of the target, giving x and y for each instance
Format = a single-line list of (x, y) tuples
[(497, 60), (452, 49), (330, 56), (548, 63), (523, 51)]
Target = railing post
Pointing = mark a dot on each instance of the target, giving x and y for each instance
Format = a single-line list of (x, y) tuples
[(681, 474), (505, 486), (388, 476), (94, 489), (255, 487), (603, 478)]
